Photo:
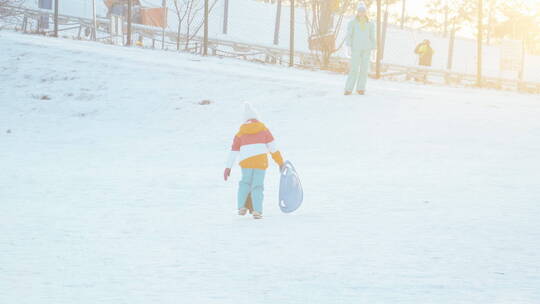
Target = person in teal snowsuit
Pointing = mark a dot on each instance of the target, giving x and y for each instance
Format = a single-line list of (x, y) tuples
[(361, 40)]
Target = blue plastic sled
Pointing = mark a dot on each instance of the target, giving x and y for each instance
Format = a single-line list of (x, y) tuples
[(290, 189)]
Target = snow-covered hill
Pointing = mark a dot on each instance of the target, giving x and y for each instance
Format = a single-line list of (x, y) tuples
[(111, 188)]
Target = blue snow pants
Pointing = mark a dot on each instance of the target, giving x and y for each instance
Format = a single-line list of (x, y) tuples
[(252, 182), (358, 70)]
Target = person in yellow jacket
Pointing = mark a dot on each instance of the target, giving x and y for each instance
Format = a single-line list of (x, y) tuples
[(251, 145), (425, 53)]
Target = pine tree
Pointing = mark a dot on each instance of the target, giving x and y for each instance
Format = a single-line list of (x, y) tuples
[(445, 16), (518, 20)]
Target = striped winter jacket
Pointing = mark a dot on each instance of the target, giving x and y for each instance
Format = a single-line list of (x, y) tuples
[(251, 144)]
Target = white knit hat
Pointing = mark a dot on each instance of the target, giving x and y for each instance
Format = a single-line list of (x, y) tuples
[(249, 112), (361, 7)]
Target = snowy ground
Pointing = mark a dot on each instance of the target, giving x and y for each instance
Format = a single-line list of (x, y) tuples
[(112, 190)]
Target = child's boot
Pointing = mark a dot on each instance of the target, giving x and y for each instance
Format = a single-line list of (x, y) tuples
[(257, 215)]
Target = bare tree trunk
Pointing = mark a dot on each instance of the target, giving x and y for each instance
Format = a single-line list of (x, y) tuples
[(451, 47), (445, 19), (164, 6), (291, 35), (278, 23), (226, 17), (379, 53), (177, 11), (205, 38), (200, 25), (479, 40), (324, 36), (403, 13), (181, 18), (490, 20), (56, 18), (189, 21)]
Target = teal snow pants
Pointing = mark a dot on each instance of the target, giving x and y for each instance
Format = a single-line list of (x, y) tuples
[(358, 70), (252, 182)]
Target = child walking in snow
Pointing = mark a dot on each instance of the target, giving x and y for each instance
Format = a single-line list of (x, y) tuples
[(251, 144)]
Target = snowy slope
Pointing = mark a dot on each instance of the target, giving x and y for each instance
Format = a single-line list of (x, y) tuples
[(112, 190)]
